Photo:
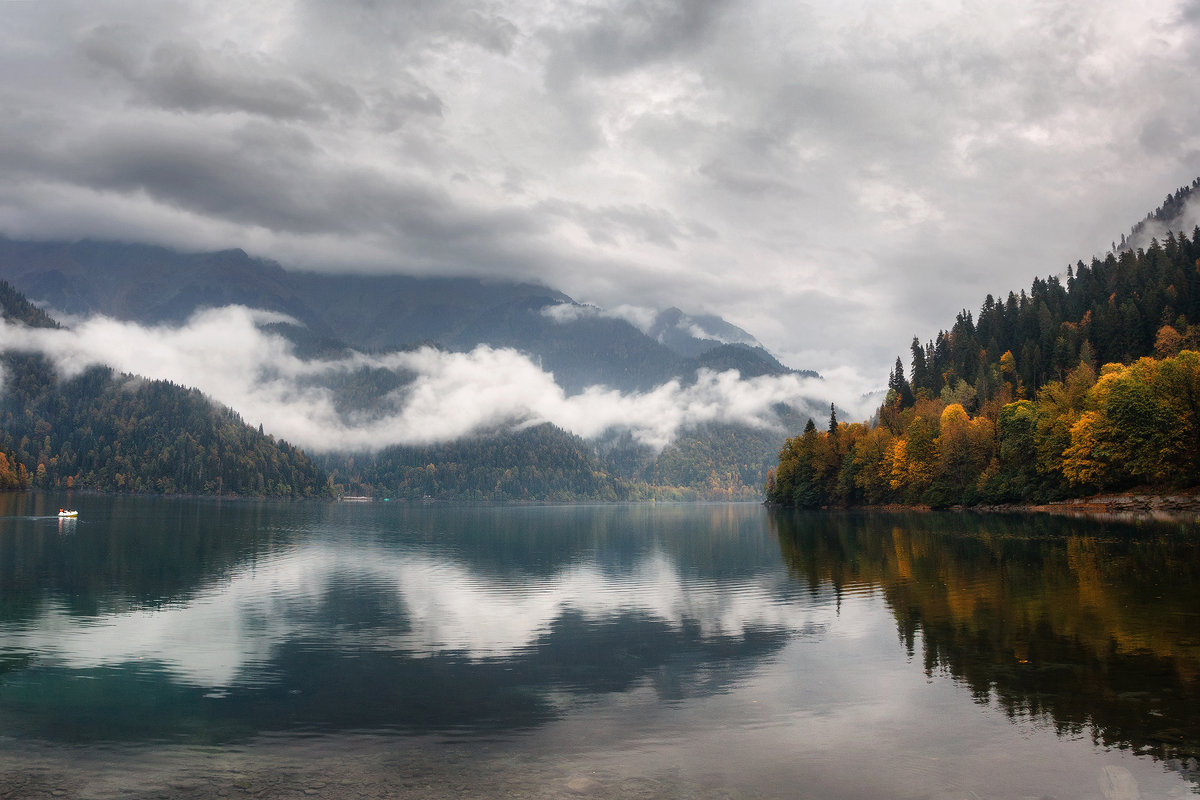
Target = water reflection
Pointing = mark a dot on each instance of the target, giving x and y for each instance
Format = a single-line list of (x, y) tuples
[(128, 552), (1094, 627), (256, 617), (787, 649)]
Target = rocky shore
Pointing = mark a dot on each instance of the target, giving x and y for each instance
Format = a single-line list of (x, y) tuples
[(1178, 507)]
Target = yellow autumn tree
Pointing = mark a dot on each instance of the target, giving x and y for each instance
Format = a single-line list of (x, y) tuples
[(1084, 463), (897, 454), (920, 458), (964, 448), (1059, 406), (1142, 425), (872, 457)]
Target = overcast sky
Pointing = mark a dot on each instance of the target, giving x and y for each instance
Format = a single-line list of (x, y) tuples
[(834, 177)]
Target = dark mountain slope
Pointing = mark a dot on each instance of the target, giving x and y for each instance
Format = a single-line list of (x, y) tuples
[(751, 362), (383, 312), (374, 313), (146, 283), (581, 345), (692, 335), (542, 463), (113, 432)]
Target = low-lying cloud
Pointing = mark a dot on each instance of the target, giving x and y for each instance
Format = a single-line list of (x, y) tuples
[(638, 316), (1186, 222), (227, 354)]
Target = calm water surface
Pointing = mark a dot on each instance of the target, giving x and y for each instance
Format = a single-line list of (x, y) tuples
[(196, 648)]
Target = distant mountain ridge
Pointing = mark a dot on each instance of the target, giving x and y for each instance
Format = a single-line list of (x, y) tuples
[(154, 285), (581, 346), (111, 432), (693, 335)]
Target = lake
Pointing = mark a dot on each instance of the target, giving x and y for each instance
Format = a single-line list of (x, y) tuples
[(200, 648)]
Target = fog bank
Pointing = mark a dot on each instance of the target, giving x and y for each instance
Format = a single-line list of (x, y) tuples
[(226, 354)]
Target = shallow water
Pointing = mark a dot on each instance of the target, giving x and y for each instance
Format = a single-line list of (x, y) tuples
[(197, 648)]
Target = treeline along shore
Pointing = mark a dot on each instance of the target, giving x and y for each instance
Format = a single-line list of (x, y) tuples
[(1081, 386)]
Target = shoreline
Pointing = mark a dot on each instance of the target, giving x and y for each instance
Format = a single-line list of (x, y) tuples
[(1130, 506), (1164, 507)]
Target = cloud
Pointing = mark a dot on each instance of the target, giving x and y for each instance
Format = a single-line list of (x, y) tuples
[(226, 354), (637, 316), (563, 313), (614, 223), (833, 178), (1187, 220), (184, 77)]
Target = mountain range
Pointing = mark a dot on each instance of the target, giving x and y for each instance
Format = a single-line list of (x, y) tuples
[(334, 317), (580, 344)]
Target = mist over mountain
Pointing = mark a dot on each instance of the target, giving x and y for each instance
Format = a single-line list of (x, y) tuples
[(693, 335), (406, 372), (95, 428), (580, 345)]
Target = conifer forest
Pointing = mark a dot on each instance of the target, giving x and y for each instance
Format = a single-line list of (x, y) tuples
[(1088, 382)]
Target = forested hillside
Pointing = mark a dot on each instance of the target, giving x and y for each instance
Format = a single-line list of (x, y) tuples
[(332, 316), (123, 433), (1079, 385), (545, 463), (540, 463)]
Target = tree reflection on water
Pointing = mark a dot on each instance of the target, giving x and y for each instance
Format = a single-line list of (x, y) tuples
[(1091, 626)]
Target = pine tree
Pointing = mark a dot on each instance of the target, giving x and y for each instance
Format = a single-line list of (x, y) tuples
[(920, 370), (900, 386)]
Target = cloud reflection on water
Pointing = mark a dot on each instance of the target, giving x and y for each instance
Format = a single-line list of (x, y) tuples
[(411, 605)]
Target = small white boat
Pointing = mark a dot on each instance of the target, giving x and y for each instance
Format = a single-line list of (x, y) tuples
[(63, 512)]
